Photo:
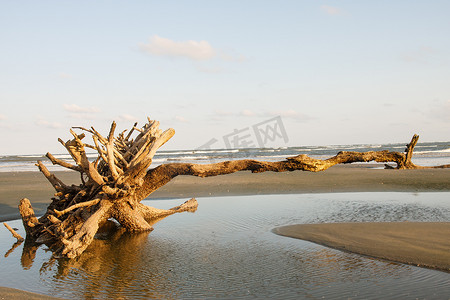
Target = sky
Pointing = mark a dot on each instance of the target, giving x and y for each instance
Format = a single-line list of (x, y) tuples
[(332, 72)]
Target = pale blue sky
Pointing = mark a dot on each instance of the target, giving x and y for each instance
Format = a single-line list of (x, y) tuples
[(337, 72)]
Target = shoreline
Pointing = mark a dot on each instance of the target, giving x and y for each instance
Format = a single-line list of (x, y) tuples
[(338, 179), (422, 244)]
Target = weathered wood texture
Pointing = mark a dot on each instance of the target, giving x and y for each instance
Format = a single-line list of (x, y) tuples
[(107, 190), (114, 184)]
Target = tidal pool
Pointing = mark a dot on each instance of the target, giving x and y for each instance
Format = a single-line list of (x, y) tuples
[(227, 250)]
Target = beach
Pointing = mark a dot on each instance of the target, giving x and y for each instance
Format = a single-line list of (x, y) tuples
[(338, 179), (425, 243)]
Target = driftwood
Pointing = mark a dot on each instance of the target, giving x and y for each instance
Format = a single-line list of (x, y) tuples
[(14, 233), (119, 179)]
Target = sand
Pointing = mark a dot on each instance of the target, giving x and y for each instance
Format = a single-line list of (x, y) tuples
[(342, 178), (421, 244), (9, 293)]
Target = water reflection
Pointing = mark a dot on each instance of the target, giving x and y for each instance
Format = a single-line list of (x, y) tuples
[(107, 267), (28, 254), (13, 247), (226, 250)]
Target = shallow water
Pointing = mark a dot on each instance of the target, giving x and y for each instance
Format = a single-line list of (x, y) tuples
[(227, 250)]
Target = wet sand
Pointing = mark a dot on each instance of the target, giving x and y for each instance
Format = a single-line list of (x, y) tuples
[(345, 178), (9, 293), (421, 244)]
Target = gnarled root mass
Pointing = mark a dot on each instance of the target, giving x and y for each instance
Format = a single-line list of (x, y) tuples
[(113, 185), (107, 192)]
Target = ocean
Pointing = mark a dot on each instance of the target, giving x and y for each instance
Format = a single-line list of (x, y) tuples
[(425, 154)]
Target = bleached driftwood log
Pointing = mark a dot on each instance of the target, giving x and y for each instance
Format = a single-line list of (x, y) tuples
[(119, 179)]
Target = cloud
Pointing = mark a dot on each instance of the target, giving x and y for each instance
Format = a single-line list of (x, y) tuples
[(64, 75), (247, 113), (2, 117), (74, 108), (419, 55), (180, 119), (331, 10), (127, 117), (195, 50), (83, 113), (44, 123)]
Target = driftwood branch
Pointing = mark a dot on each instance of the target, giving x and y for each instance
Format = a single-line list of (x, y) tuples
[(57, 184), (14, 233), (30, 222), (110, 152), (81, 240), (75, 206), (161, 175), (62, 163), (409, 152)]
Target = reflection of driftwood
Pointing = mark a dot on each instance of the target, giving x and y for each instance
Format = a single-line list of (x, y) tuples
[(16, 244), (19, 238), (28, 254), (115, 183), (121, 247), (118, 255)]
